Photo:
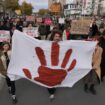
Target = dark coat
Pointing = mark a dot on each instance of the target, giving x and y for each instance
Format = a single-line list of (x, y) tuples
[(102, 44), (42, 30), (94, 29)]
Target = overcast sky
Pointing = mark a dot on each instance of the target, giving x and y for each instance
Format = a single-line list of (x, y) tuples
[(37, 4)]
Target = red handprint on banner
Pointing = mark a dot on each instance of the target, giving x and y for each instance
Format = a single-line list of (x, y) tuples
[(49, 76)]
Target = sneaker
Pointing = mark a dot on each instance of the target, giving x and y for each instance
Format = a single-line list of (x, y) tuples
[(14, 99), (92, 90), (52, 97), (86, 88)]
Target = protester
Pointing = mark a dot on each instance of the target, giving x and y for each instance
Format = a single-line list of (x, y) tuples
[(101, 29), (94, 75), (67, 33), (42, 30), (47, 30), (19, 26), (90, 32), (30, 26), (61, 27), (55, 27), (55, 36), (68, 21), (94, 28), (4, 60), (3, 25), (13, 28)]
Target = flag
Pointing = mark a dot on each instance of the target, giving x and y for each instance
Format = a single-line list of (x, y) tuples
[(48, 63)]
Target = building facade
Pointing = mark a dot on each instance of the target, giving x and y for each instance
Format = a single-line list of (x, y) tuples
[(89, 7), (73, 10), (92, 7), (50, 2)]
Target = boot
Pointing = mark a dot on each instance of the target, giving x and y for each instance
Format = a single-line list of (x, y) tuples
[(86, 88), (92, 89)]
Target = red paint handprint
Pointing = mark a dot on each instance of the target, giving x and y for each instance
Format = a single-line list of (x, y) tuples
[(49, 76)]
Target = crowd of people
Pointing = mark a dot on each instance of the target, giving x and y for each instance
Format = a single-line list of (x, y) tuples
[(56, 32)]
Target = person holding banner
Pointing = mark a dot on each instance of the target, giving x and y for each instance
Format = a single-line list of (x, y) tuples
[(4, 60), (94, 75), (55, 36)]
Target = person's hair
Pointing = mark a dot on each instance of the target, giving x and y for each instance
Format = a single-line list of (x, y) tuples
[(4, 43), (97, 34), (29, 24), (54, 33)]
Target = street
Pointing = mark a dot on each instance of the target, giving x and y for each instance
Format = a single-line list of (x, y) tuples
[(29, 93)]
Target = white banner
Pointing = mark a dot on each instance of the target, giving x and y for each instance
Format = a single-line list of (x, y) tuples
[(33, 31), (48, 63), (4, 36)]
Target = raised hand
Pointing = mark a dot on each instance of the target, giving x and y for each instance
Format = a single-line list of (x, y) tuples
[(50, 76)]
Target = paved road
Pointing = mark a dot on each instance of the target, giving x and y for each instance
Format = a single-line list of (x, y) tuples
[(29, 93), (2, 81)]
